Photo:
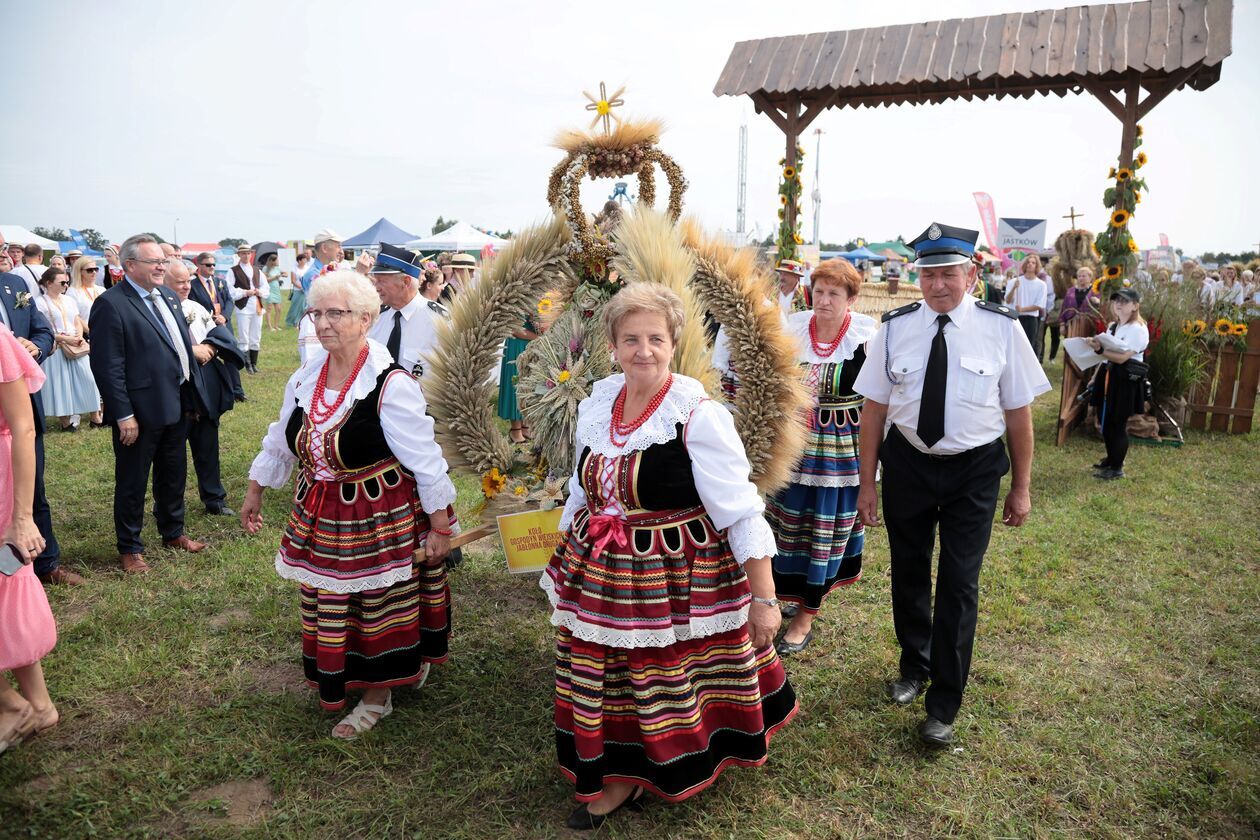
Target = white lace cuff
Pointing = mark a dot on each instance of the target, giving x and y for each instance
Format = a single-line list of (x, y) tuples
[(751, 538), (437, 494), (270, 471)]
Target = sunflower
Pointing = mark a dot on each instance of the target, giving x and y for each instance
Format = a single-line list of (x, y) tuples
[(1120, 218), (789, 173), (1139, 129), (1137, 198), (1124, 175), (1097, 287), (1111, 173), (796, 237), (783, 200), (1141, 160), (1194, 329), (1223, 327), (1112, 272), (564, 376), (545, 306), (1200, 326), (1239, 329), (1133, 246), (493, 482)]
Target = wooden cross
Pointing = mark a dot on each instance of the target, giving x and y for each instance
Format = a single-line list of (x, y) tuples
[(1072, 214)]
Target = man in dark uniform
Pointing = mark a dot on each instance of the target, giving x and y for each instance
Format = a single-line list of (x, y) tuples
[(946, 377)]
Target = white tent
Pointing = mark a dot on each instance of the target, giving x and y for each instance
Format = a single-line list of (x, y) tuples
[(459, 237), (22, 236)]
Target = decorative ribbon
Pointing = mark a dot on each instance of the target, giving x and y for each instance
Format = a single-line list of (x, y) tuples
[(605, 528)]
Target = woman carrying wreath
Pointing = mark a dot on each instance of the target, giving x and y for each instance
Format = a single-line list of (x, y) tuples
[(662, 593), (371, 520), (815, 522)]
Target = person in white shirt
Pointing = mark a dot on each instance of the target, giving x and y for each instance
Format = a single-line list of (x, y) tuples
[(947, 379), (1118, 387), (83, 287), (402, 327), (32, 268), (1026, 294), (249, 291), (1230, 290)]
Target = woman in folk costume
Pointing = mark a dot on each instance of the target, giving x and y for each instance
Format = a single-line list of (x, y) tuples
[(662, 593), (371, 520), (814, 519)]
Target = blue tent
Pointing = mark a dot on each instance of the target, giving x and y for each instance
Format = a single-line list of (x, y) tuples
[(383, 231), (862, 254)]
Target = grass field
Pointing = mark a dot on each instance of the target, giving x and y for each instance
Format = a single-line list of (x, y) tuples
[(1114, 691)]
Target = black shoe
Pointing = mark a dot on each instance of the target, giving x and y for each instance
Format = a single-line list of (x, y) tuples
[(786, 648), (583, 820), (1109, 474), (241, 397), (936, 734), (219, 510), (789, 610), (1102, 465), (904, 691)]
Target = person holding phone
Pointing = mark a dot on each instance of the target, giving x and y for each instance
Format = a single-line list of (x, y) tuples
[(27, 629)]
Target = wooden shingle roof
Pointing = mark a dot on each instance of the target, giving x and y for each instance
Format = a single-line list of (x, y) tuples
[(1182, 42)]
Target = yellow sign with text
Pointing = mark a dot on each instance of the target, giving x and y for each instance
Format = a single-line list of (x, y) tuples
[(529, 538)]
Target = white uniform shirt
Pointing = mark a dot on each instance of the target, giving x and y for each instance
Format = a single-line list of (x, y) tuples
[(992, 369), (419, 331), (1135, 337), (1026, 291), (264, 289), (31, 274)]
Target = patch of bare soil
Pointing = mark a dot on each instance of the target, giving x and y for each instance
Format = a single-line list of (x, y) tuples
[(245, 803), (278, 678), (227, 618)]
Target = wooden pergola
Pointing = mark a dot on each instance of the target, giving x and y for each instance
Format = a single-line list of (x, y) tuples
[(1129, 55)]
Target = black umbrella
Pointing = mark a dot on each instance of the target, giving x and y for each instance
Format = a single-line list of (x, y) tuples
[(263, 250)]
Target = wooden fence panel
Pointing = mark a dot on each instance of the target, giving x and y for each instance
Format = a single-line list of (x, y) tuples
[(1233, 407)]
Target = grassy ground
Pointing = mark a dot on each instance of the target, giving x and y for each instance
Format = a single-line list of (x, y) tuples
[(1114, 691)]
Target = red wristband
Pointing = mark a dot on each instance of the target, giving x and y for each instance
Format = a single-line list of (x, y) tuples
[(445, 532)]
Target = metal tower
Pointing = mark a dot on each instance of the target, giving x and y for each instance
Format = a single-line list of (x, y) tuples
[(816, 194), (741, 186)]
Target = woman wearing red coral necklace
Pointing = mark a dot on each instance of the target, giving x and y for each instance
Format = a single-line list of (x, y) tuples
[(814, 518), (661, 592), (371, 520)]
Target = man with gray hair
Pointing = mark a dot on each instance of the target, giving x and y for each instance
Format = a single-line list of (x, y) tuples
[(151, 384)]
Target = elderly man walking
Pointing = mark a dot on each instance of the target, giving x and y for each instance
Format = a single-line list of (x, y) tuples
[(150, 382)]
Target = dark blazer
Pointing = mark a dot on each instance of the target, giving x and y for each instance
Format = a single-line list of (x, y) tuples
[(134, 363), (29, 323), (198, 294), (221, 375)]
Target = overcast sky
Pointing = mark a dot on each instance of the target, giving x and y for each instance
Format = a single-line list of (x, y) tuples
[(272, 119)]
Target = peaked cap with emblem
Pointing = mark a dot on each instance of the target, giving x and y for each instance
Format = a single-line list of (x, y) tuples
[(395, 260), (944, 245)]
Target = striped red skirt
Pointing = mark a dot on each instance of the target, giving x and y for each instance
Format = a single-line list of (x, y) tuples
[(657, 683)]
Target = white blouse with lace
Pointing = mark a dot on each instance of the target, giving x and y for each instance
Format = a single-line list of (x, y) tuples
[(408, 430), (861, 328), (719, 464)]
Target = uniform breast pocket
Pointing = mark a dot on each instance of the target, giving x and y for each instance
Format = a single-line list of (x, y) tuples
[(978, 381), (906, 369)]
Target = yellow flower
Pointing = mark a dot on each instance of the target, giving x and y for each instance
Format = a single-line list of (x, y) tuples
[(796, 237), (789, 173), (1097, 287), (1141, 160), (1139, 129), (1111, 173), (1200, 326), (1193, 328), (1113, 271), (1133, 246), (520, 490), (783, 200), (1137, 198), (1124, 175), (1120, 218), (1239, 329), (564, 376), (545, 306), (1223, 327), (492, 483)]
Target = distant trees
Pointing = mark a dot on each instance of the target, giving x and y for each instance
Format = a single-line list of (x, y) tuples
[(232, 242), (94, 239), (56, 234), (442, 224)]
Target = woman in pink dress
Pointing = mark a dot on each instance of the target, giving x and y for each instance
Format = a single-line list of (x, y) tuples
[(27, 629)]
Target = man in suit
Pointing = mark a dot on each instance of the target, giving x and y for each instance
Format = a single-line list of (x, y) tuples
[(151, 384), (212, 293), (32, 330)]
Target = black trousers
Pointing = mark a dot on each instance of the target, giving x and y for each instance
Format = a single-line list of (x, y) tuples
[(49, 559), (958, 494), (1032, 328), (160, 448), (203, 441), (1053, 327)]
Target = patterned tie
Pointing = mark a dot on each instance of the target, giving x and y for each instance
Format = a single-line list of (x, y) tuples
[(394, 343), (932, 403), (172, 329)]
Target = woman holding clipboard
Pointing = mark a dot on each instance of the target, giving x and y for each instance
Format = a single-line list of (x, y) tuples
[(1118, 389)]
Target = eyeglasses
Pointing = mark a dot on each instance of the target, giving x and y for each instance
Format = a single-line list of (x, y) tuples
[(206, 265), (150, 262), (91, 270), (333, 315), (62, 283)]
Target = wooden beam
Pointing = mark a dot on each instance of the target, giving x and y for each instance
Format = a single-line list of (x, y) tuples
[(1128, 137), (815, 108), (473, 534), (1105, 96), (770, 110), (1160, 90), (792, 133)]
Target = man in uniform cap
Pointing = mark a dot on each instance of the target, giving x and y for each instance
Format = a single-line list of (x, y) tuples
[(793, 295), (402, 327), (945, 377)]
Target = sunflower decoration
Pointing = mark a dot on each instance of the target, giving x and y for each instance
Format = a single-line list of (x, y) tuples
[(493, 482), (1112, 272), (1111, 173), (1133, 246), (1137, 198), (1120, 218), (1097, 287), (789, 237), (1223, 327), (788, 173), (1238, 330), (1194, 327), (783, 199), (1141, 160), (1139, 129), (545, 306), (1124, 174)]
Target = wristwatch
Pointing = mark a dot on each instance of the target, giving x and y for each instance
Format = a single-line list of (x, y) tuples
[(769, 602)]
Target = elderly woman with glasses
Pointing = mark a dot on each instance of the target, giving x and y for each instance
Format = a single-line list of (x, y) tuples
[(371, 521)]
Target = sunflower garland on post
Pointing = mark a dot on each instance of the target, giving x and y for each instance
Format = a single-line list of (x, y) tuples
[(1116, 247), (789, 239)]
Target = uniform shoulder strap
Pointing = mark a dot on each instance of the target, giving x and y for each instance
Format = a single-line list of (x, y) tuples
[(997, 308), (901, 310)]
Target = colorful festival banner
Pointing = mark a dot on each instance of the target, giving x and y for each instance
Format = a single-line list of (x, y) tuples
[(529, 538), (988, 221)]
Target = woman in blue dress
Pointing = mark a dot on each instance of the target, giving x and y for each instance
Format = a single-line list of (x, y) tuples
[(509, 409)]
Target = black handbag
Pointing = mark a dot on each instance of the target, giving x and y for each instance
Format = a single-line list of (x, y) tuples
[(1136, 371)]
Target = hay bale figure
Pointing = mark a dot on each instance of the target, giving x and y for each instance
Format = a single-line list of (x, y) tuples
[(1072, 249)]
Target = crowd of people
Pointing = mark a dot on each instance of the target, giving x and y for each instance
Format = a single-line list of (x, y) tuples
[(671, 586)]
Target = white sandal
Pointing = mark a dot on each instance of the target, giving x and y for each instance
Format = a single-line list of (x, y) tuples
[(361, 718)]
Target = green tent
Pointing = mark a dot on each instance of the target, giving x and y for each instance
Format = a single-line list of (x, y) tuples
[(894, 246)]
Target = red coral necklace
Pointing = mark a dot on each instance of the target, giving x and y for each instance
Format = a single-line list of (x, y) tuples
[(321, 412), (825, 349), (619, 428)]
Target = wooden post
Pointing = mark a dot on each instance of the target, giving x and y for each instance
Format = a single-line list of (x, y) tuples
[(1128, 139), (792, 131)]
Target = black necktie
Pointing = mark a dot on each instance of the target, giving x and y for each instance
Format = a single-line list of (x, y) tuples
[(932, 404), (394, 344)]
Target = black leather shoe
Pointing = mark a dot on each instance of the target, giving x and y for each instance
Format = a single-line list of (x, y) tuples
[(936, 734), (583, 820), (1109, 474), (789, 610), (786, 648), (904, 691), (1102, 465), (220, 510)]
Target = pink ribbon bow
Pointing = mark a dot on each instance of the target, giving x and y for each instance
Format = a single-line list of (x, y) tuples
[(605, 528)]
